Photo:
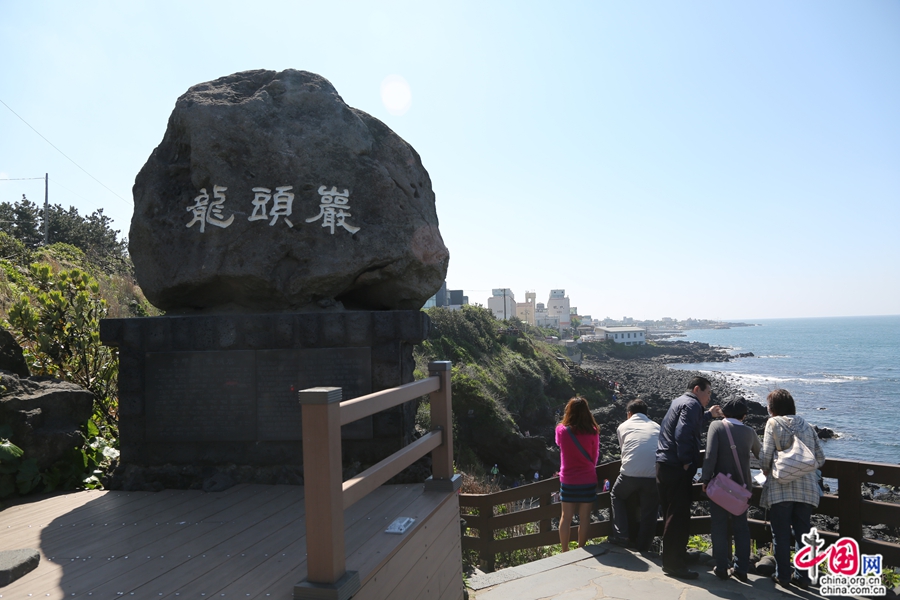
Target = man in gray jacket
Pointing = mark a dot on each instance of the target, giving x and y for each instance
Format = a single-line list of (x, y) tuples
[(638, 437)]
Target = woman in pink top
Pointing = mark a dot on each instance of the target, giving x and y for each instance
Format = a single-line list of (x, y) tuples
[(578, 468)]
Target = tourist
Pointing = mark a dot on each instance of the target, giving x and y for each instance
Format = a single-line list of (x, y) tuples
[(495, 472), (720, 459), (578, 438), (790, 503), (638, 438), (677, 460)]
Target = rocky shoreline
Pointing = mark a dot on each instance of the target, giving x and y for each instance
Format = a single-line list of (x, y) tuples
[(651, 380)]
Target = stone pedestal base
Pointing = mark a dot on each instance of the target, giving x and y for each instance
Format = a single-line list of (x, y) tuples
[(222, 389)]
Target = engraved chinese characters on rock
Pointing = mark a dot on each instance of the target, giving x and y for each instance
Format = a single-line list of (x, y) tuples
[(282, 204), (334, 209), (205, 211)]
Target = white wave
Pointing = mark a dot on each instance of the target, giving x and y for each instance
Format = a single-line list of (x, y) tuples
[(845, 377), (774, 356)]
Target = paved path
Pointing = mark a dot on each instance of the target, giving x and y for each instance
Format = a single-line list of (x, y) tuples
[(605, 571)]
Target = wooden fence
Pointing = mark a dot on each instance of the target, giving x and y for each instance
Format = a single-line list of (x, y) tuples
[(326, 496), (495, 518)]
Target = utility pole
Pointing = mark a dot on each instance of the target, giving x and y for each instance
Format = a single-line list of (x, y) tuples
[(46, 208)]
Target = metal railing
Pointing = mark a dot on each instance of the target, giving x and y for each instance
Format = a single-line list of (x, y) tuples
[(494, 518)]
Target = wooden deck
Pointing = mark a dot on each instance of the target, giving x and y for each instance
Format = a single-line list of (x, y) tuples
[(246, 542)]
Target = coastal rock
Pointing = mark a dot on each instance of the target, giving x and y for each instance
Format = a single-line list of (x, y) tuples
[(824, 433), (45, 416), (269, 193)]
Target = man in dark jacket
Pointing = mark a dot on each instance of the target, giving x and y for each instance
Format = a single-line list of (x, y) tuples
[(677, 460)]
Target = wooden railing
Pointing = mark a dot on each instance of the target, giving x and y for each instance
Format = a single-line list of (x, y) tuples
[(495, 516), (326, 496)]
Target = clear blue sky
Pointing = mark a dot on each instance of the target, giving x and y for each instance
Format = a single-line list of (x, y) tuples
[(686, 159)]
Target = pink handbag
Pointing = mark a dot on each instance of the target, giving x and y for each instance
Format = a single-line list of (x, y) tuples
[(726, 492)]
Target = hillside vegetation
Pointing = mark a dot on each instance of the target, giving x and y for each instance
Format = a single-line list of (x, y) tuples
[(52, 298), (507, 381)]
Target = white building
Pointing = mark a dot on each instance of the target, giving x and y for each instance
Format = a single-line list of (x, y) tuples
[(502, 303), (630, 336), (542, 317), (558, 306)]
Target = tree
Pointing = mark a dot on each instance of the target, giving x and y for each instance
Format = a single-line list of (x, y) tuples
[(93, 234), (23, 220)]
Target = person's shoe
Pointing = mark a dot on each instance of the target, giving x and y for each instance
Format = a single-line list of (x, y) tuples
[(742, 577), (799, 582), (682, 573), (619, 541), (721, 573), (781, 582)]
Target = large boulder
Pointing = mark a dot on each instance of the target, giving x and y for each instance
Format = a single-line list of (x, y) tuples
[(269, 193), (45, 416)]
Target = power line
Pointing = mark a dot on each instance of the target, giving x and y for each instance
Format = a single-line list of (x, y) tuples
[(18, 178), (63, 153)]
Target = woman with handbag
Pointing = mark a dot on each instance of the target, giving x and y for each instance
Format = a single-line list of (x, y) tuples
[(728, 446), (791, 453), (578, 438)]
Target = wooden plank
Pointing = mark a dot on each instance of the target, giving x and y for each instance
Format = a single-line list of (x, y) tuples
[(122, 561), (440, 529), (364, 406), (882, 473), (453, 591), (890, 552), (124, 527), (87, 529), (372, 478), (531, 490), (47, 547), (425, 508), (42, 511), (875, 513), (422, 579), (519, 517), (282, 573), (280, 524)]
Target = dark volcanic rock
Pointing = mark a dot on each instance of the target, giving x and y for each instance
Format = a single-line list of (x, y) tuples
[(269, 193), (11, 358), (652, 381), (45, 415)]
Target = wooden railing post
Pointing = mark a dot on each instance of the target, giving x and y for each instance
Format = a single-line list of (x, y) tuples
[(442, 478), (849, 500), (486, 533), (327, 576)]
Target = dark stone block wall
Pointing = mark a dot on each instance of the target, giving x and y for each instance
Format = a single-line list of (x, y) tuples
[(187, 384)]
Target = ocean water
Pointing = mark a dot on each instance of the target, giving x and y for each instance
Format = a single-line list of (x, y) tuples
[(843, 372)]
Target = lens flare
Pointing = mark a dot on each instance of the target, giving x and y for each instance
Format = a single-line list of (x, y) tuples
[(396, 95)]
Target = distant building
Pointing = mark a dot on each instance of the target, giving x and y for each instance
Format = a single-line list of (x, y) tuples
[(542, 317), (630, 336), (558, 306), (502, 303), (452, 299), (525, 310)]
